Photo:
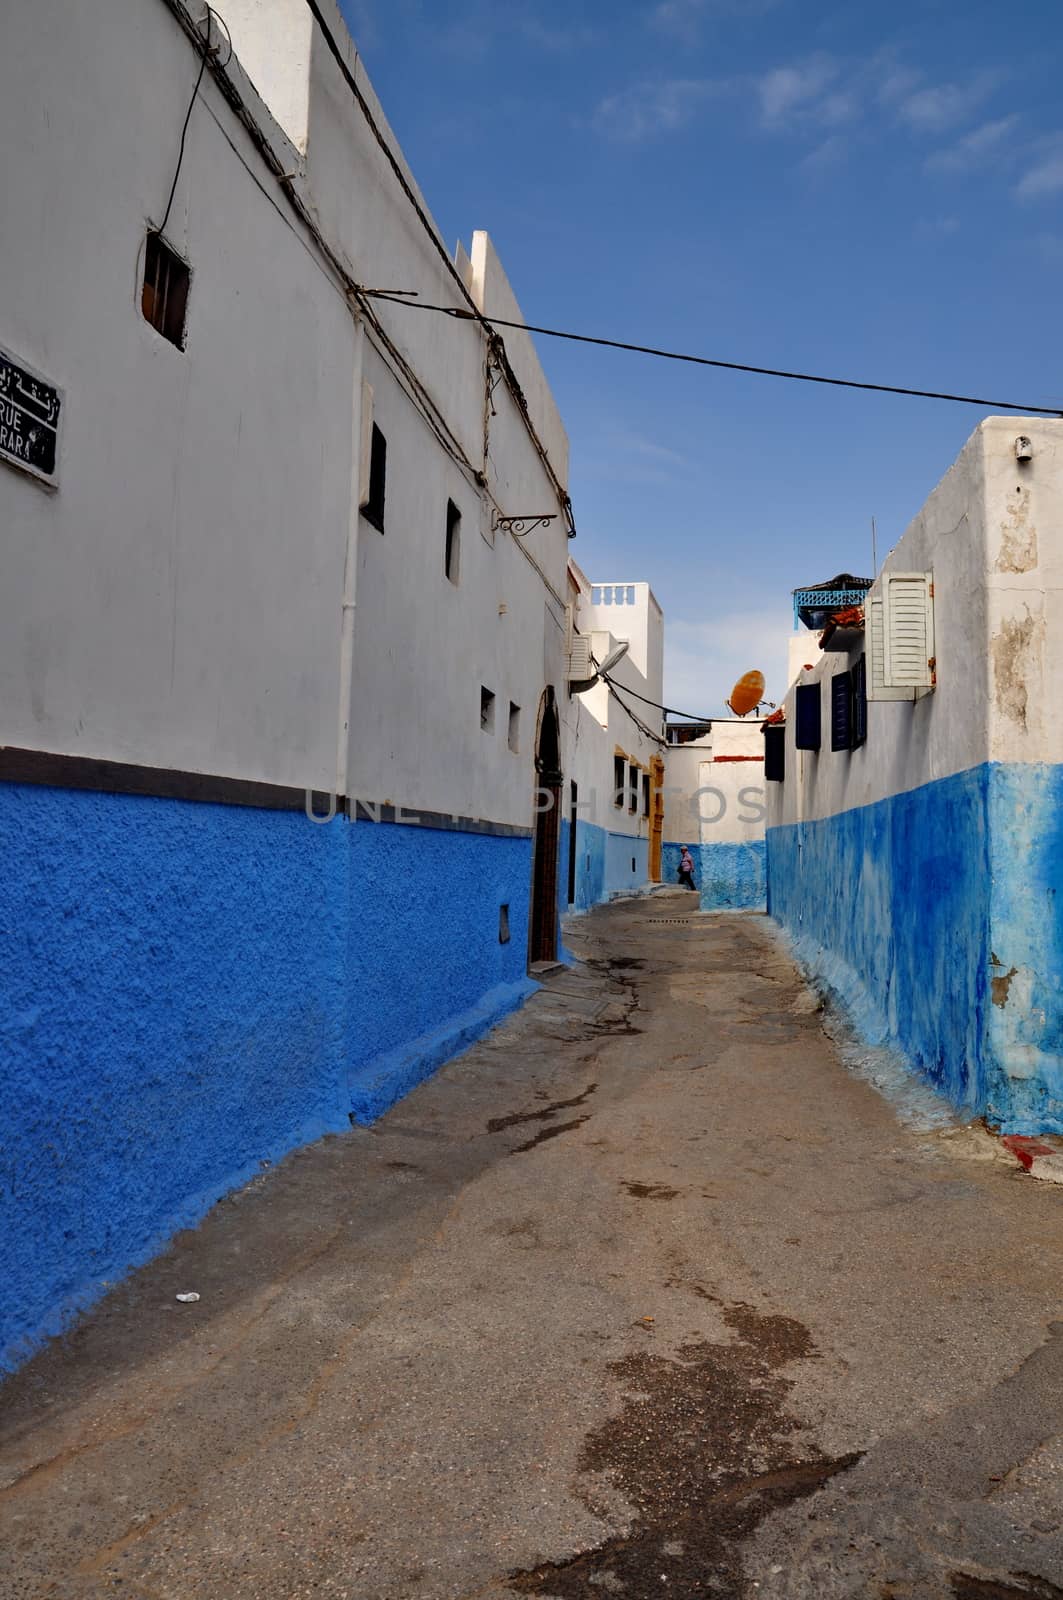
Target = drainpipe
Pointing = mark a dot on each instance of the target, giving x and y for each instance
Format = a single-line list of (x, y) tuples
[(350, 571)]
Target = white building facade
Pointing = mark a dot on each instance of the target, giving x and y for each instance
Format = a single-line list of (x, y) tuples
[(613, 827), (915, 794), (715, 805), (266, 553)]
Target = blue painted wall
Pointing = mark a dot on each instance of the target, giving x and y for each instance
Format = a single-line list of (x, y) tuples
[(603, 864), (425, 969), (590, 865), (190, 989), (910, 908), (621, 849), (729, 877)]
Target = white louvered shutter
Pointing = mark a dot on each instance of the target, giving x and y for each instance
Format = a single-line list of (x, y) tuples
[(899, 612), (908, 631), (580, 665)]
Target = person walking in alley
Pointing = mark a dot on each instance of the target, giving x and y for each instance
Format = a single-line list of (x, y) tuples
[(686, 869)]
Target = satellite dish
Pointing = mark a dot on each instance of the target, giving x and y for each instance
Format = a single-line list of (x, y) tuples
[(747, 693), (616, 654), (594, 672)]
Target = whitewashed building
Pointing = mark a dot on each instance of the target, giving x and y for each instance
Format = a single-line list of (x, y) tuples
[(271, 546), (715, 805), (915, 792), (614, 825)]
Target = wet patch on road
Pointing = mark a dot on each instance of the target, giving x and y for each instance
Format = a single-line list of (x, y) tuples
[(1020, 1586), (702, 1451), (548, 1133), (650, 1191), (497, 1124)]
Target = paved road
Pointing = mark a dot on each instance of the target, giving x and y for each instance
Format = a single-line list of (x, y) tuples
[(645, 1295)]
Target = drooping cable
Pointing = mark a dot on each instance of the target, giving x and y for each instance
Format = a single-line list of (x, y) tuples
[(656, 704), (636, 719), (474, 313), (208, 51), (727, 366)]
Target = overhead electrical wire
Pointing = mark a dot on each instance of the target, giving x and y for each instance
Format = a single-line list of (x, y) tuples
[(642, 726), (668, 710), (474, 313), (209, 50), (711, 361)]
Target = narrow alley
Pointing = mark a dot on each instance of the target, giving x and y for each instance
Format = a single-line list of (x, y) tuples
[(645, 1294)]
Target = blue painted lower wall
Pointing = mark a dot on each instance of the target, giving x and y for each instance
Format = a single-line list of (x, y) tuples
[(189, 990), (937, 917), (729, 877), (590, 865), (607, 863), (627, 863)]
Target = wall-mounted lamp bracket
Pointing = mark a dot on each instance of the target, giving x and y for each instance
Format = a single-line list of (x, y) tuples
[(519, 526)]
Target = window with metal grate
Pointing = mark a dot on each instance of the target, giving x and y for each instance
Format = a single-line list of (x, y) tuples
[(164, 294)]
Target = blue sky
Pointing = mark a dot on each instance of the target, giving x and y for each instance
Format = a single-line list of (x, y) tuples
[(865, 191)]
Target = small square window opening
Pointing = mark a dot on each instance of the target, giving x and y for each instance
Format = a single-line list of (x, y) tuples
[(452, 552), (619, 780), (645, 794), (503, 924), (514, 728), (373, 506), (164, 296), (487, 710), (633, 789)]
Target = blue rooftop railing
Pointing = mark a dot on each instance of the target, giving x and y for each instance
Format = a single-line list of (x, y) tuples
[(824, 600)]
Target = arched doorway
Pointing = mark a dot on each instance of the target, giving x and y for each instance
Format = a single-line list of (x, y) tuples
[(542, 942)]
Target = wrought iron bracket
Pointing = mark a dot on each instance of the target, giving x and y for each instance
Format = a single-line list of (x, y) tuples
[(519, 526)]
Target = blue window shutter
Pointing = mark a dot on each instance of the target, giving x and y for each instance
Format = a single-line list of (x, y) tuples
[(775, 753), (841, 711), (860, 701), (806, 716)]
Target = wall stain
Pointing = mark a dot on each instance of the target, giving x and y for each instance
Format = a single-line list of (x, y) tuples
[(1010, 651), (1001, 986), (700, 1450), (1018, 542)]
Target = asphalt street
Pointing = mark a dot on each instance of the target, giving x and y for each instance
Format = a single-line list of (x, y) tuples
[(649, 1293)]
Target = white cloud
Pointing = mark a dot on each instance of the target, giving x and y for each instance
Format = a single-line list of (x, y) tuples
[(684, 18), (637, 444), (788, 90), (826, 156), (1045, 175), (646, 109), (558, 41), (938, 227), (975, 148), (1050, 247), (704, 660), (940, 106), (895, 82)]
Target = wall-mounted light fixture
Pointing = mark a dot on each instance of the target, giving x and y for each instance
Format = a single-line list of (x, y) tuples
[(519, 526)]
